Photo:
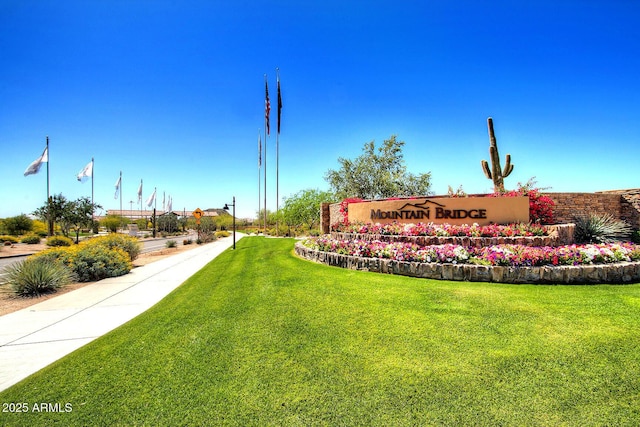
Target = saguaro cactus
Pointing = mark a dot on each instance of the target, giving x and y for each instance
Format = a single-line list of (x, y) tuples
[(496, 173)]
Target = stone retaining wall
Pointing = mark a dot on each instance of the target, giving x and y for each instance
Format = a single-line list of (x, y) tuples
[(618, 273)]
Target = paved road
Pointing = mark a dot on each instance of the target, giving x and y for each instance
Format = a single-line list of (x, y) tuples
[(147, 246)]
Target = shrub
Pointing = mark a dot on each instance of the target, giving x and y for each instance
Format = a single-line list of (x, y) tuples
[(222, 233), (187, 241), (9, 239), (40, 228), (128, 244), (37, 276), (206, 237), (113, 222), (59, 241), (600, 228), (95, 259), (61, 254), (18, 225), (635, 237), (89, 262), (96, 262), (31, 239), (171, 244), (167, 223), (344, 208), (540, 206)]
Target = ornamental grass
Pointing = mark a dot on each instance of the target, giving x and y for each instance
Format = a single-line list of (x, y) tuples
[(37, 276)]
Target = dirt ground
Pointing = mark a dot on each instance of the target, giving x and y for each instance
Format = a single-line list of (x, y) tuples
[(10, 303)]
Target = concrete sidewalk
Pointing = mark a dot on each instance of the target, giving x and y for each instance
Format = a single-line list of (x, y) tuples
[(36, 336)]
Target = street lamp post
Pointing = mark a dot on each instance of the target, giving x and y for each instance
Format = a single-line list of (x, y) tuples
[(226, 208)]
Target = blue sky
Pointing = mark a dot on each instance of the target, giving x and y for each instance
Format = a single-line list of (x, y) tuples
[(172, 92)]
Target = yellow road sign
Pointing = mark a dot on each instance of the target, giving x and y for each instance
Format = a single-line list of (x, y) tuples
[(197, 214)]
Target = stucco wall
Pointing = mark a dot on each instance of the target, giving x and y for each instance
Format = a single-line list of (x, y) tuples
[(623, 204)]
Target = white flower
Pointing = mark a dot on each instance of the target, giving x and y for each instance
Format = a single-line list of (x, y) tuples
[(461, 253)]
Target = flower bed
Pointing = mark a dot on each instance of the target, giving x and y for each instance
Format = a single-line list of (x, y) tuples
[(613, 263), (507, 255), (444, 230), (477, 242), (426, 234)]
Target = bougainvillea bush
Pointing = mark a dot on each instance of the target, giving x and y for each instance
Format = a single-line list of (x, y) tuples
[(444, 230), (344, 210), (504, 255), (540, 206)]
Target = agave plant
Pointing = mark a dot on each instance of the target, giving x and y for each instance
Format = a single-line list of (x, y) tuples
[(601, 228), (37, 276)]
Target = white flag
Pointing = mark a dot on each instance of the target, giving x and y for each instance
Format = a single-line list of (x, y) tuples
[(170, 204), (140, 192), (118, 182), (86, 173), (151, 198), (163, 204), (34, 167)]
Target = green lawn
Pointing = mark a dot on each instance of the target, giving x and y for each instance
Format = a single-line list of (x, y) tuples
[(260, 337)]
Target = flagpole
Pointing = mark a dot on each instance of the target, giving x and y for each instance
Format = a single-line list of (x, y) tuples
[(51, 230), (120, 195), (48, 196), (266, 132), (155, 206), (278, 158), (259, 170), (92, 174)]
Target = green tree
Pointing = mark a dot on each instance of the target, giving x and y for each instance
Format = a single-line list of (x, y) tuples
[(113, 222), (142, 223), (52, 211), (78, 215), (271, 218), (18, 225), (183, 223), (207, 224), (303, 208), (377, 174), (168, 222), (224, 222)]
